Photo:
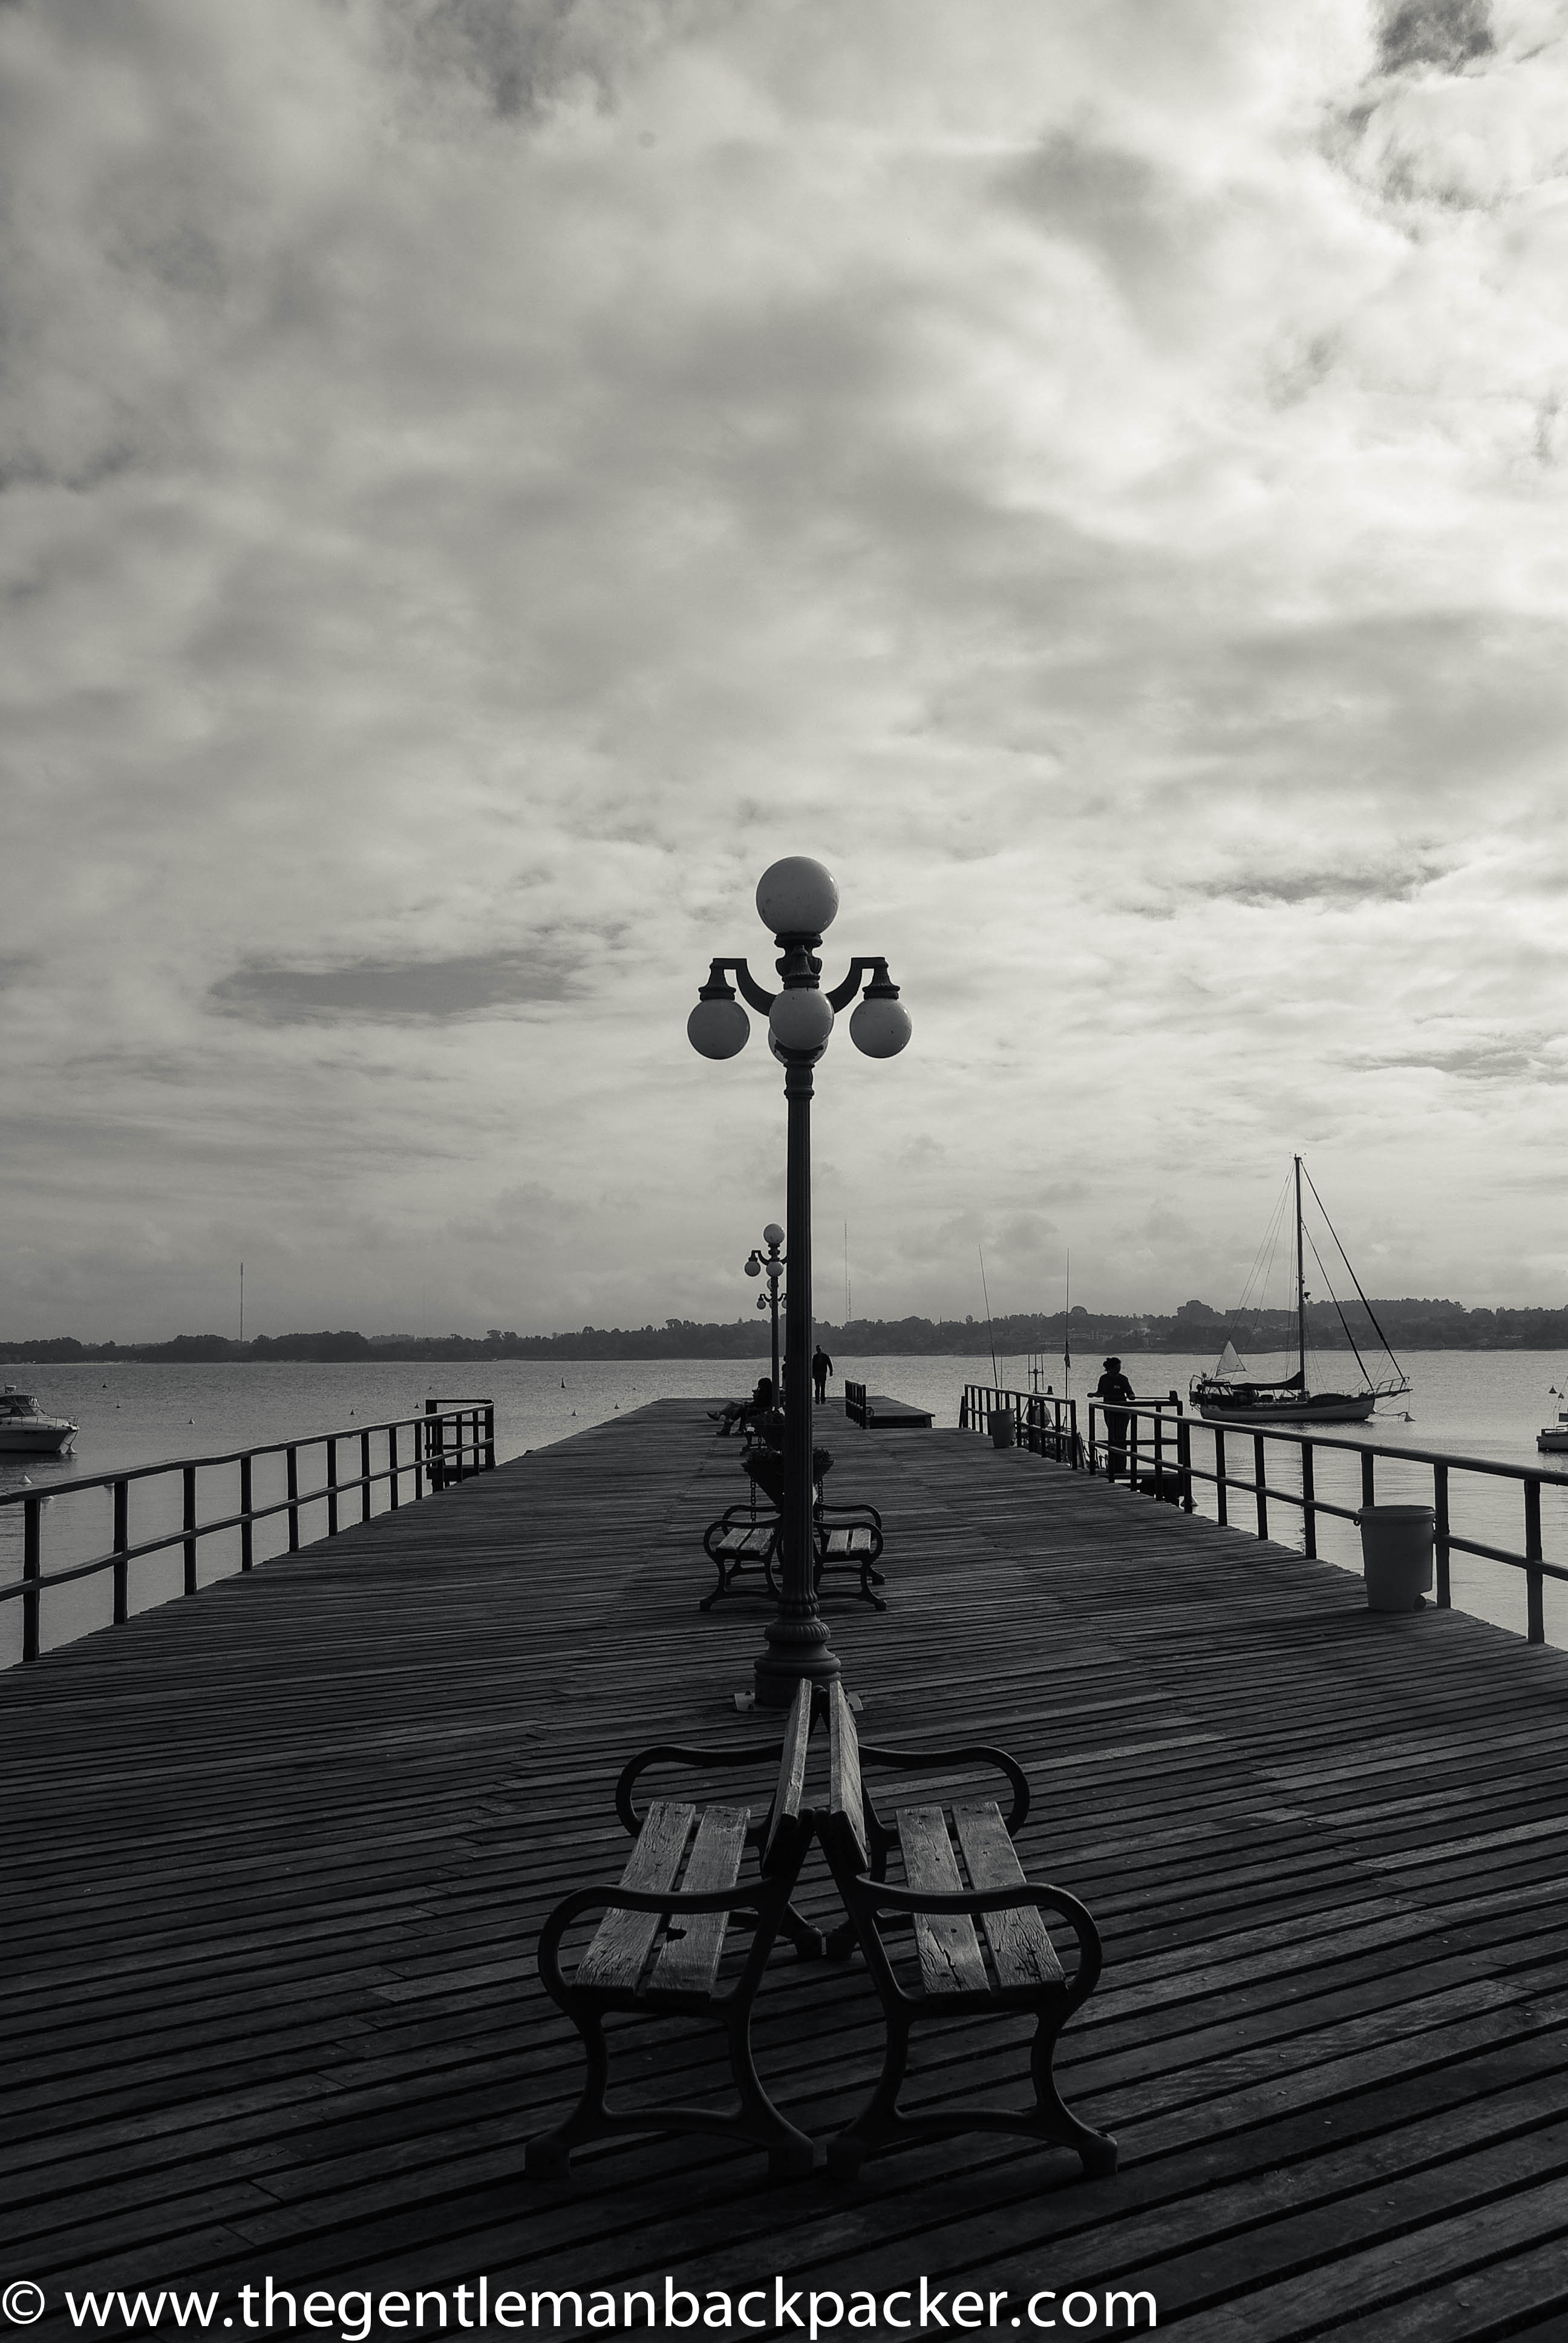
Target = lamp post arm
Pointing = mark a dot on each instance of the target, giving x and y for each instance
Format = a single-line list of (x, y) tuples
[(758, 999), (842, 994)]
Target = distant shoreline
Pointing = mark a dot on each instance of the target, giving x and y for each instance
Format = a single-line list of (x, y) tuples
[(1194, 1331)]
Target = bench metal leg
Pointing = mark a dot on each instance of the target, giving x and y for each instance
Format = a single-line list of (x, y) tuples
[(790, 2154), (1096, 2150)]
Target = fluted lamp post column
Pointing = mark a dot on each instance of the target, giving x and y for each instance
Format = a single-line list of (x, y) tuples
[(798, 900), (771, 1264)]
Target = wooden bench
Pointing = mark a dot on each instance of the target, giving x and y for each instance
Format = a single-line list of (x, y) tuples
[(745, 1547), (659, 1947), (954, 1979)]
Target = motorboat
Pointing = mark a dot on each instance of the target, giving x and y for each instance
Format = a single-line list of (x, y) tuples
[(1230, 1395), (1554, 1436), (27, 1431)]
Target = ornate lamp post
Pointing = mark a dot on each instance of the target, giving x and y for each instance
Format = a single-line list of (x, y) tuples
[(771, 1265), (797, 898)]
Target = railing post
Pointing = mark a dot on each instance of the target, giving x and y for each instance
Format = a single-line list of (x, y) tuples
[(1072, 1434), (32, 1528), (1259, 1479), (1369, 1494), (964, 1409), (332, 1488), (1534, 1580), (490, 1436), (122, 1540), (246, 1530), (292, 1461), (393, 1468), (1089, 1451), (1221, 1495), (1158, 1451), (1132, 1422), (1439, 1556), (1184, 1461), (432, 1464), (189, 1540), (365, 1476), (1309, 1506)]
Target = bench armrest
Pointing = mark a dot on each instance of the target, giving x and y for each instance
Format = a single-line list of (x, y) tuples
[(936, 1761), (675, 1754), (877, 1896)]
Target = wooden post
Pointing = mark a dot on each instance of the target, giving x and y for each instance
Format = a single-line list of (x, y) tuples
[(1089, 1451), (1535, 1579), (1369, 1495), (365, 1476), (1440, 1557), (1159, 1452), (1075, 1459), (32, 1526), (433, 1443), (1184, 1461), (1221, 1495), (1309, 1508), (122, 1540), (392, 1465), (190, 1541), (292, 1460), (1260, 1476), (332, 1488), (247, 1532), (490, 1436)]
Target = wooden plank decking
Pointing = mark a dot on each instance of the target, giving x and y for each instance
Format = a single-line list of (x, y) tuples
[(276, 1858)]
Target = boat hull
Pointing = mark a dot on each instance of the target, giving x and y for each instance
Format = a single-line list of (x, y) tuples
[(1555, 1441), (37, 1439), (1333, 1409)]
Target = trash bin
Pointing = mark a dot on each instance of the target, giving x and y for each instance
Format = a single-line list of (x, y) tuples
[(1396, 1555), (1001, 1427)]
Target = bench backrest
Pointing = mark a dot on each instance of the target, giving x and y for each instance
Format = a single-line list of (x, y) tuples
[(785, 1819), (846, 1799)]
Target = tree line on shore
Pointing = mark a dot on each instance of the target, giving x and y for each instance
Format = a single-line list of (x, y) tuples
[(1410, 1324)]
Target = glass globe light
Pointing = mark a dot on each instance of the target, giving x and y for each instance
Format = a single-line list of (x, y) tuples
[(718, 1028), (773, 1234), (797, 897), (802, 1020), (880, 1027), (754, 1267)]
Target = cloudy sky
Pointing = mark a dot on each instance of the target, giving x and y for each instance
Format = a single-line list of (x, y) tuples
[(481, 478)]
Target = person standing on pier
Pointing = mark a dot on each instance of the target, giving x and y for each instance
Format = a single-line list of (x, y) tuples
[(1118, 1394), (821, 1368)]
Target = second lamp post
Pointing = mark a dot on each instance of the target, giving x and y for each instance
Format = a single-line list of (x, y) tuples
[(797, 898), (771, 1264)]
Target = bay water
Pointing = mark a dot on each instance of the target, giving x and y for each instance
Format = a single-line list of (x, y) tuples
[(1478, 1404)]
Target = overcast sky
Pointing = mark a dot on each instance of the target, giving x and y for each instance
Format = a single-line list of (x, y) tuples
[(481, 478)]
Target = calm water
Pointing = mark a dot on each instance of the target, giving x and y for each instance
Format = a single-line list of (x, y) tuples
[(1476, 1402)]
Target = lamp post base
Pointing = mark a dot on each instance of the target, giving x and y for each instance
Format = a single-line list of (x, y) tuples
[(797, 1651)]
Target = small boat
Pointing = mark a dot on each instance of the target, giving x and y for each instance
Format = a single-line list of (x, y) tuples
[(27, 1431), (1230, 1395), (1554, 1436)]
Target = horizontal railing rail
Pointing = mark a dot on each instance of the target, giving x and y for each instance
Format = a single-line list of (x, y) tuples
[(1042, 1422), (1121, 1453), (434, 1462)]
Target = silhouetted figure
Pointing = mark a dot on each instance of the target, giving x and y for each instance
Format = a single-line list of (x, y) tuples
[(1118, 1394), (821, 1368)]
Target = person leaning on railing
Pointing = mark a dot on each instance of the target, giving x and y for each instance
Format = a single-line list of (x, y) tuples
[(1117, 1395)]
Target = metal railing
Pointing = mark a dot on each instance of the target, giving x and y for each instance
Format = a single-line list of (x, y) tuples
[(1044, 1425), (1159, 1462), (434, 1462)]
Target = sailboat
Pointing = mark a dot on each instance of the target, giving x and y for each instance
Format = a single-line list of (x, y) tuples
[(1230, 1394)]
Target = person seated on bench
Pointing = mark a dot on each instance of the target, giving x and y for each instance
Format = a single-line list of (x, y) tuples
[(740, 1415)]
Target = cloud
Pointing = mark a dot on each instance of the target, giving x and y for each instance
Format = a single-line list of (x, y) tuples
[(392, 991), (483, 476)]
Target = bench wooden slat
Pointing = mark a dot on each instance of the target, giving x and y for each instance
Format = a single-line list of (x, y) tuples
[(622, 1941), (792, 1785), (1020, 1941), (848, 1545), (844, 1769), (689, 1958), (951, 1956)]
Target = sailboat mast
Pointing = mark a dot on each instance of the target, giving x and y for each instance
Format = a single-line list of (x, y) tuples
[(1300, 1286)]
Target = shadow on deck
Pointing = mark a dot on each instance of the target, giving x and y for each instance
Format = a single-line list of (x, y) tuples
[(279, 1853)]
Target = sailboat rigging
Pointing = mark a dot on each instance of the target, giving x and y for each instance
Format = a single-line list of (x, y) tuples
[(1230, 1394)]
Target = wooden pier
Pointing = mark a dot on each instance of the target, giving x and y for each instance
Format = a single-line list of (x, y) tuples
[(277, 1856)]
